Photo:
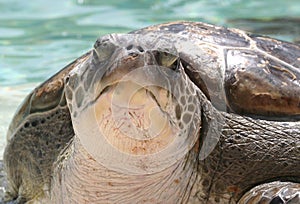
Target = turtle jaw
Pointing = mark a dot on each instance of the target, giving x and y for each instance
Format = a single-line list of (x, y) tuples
[(139, 106), (137, 109), (136, 114), (135, 121)]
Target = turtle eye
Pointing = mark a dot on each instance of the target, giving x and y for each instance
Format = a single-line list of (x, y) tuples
[(103, 48), (167, 60)]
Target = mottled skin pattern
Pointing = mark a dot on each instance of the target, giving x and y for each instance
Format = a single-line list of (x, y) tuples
[(32, 147), (247, 93)]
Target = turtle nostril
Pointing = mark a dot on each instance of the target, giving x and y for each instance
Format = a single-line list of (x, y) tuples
[(129, 47), (136, 48), (140, 48)]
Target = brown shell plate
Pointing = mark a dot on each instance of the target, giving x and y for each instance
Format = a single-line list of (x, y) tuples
[(258, 75)]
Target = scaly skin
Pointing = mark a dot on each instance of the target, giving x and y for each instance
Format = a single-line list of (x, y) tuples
[(233, 99), (242, 159)]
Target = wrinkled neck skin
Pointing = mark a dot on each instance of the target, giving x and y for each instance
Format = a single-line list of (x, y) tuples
[(80, 179), (248, 152)]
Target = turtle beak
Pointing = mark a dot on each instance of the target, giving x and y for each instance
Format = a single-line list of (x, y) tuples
[(124, 61), (135, 84), (135, 99)]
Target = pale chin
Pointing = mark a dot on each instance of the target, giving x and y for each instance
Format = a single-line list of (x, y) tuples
[(135, 150), (96, 144)]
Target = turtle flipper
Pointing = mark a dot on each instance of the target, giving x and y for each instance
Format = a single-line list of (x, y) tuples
[(273, 193), (39, 131)]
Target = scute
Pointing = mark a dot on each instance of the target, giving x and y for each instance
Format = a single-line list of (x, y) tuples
[(285, 51), (260, 85), (245, 73), (206, 33)]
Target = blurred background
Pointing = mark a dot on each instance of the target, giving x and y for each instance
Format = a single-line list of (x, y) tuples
[(38, 38)]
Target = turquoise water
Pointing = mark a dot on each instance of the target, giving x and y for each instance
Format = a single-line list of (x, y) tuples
[(37, 38)]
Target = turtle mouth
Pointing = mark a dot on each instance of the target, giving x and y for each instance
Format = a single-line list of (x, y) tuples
[(135, 119), (135, 109)]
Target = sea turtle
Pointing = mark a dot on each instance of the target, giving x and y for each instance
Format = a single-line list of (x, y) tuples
[(181, 112)]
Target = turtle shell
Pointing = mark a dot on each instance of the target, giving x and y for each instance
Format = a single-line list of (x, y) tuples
[(238, 71)]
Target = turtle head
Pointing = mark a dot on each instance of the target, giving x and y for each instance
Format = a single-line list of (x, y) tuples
[(132, 105)]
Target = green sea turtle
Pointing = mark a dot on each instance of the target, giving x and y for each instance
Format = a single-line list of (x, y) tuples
[(180, 112)]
